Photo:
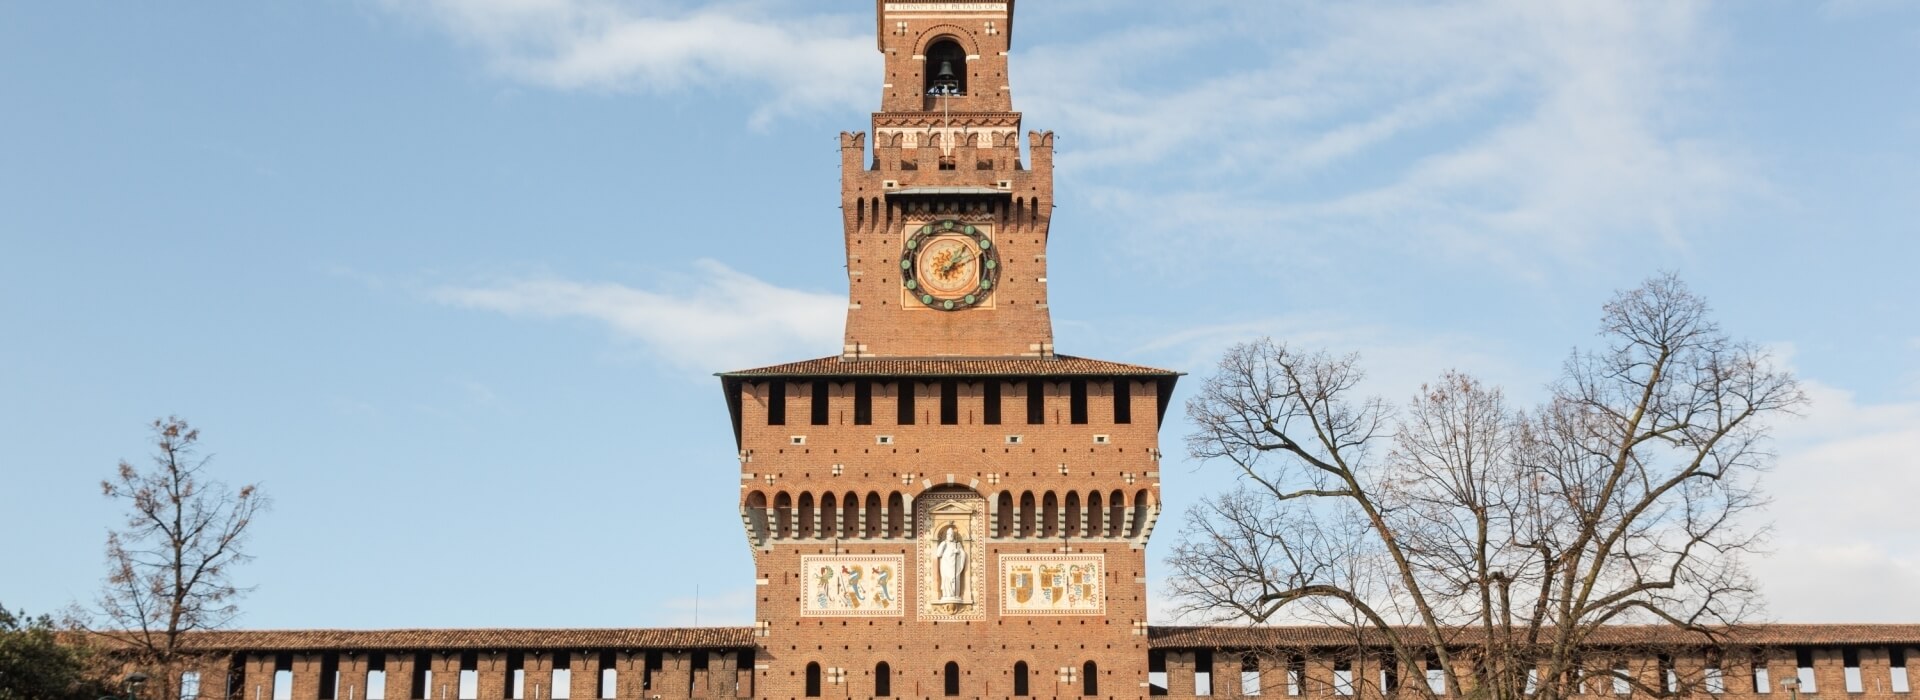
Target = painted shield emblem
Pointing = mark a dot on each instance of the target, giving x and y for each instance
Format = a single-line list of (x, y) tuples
[(1021, 581), (1053, 582)]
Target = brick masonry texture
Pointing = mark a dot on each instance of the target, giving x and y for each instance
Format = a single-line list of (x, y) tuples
[(836, 453)]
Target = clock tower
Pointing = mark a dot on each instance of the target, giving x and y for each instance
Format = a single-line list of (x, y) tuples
[(946, 507), (946, 223)]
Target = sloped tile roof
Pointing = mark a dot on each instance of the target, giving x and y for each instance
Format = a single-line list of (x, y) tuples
[(344, 640), (1160, 637), (1057, 366), (1172, 637)]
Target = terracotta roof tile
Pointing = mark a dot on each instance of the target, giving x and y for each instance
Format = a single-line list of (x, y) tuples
[(1168, 637), (1160, 637), (1058, 366), (343, 640)]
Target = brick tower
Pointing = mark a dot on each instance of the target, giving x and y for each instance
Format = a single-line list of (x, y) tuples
[(947, 508)]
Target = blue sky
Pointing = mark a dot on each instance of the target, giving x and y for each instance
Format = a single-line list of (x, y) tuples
[(450, 277)]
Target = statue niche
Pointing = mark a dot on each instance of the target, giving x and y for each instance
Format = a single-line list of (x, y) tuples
[(951, 551)]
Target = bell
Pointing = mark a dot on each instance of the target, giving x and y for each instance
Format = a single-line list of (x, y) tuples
[(946, 71)]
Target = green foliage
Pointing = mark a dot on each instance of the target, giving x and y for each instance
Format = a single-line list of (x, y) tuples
[(36, 665)]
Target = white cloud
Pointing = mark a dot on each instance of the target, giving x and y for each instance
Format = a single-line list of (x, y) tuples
[(717, 320), (799, 62), (1843, 512), (1503, 130)]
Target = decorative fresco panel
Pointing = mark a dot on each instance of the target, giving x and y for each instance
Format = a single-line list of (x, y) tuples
[(952, 555), (1053, 584), (858, 585)]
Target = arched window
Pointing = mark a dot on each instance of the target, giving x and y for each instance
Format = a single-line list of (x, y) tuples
[(882, 680), (1026, 515), (1020, 678), (946, 69), (896, 515), (850, 515), (1096, 516), (829, 516), (1117, 514), (1049, 516), (953, 679), (1003, 522), (1139, 514), (1090, 679), (756, 511), (813, 679), (805, 527), (1073, 515), (782, 516)]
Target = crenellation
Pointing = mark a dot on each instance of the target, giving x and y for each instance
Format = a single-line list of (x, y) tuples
[(898, 535)]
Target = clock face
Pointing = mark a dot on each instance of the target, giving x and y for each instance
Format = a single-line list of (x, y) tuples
[(948, 265)]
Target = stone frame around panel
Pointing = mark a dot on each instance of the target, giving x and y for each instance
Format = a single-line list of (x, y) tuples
[(1086, 596), (932, 512), (828, 595)]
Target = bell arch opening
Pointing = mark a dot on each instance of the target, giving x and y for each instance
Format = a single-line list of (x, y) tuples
[(946, 68)]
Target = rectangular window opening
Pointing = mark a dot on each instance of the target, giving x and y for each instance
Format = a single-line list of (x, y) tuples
[(283, 684), (1716, 680), (1762, 681), (1621, 686), (1156, 673), (1036, 402), (1203, 673), (1803, 662), (422, 677), (1897, 668), (1296, 675), (1122, 401), (609, 677), (904, 414), (516, 676), (560, 687), (949, 403), (190, 685), (1436, 676), (818, 407), (329, 676), (1250, 675), (990, 404), (1343, 678), (1077, 401), (777, 402), (1851, 658), (863, 402)]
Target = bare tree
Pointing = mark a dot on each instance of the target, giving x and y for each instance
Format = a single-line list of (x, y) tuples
[(170, 565), (1494, 544)]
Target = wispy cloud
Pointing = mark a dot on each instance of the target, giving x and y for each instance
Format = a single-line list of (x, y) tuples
[(716, 320), (1504, 130), (799, 62)]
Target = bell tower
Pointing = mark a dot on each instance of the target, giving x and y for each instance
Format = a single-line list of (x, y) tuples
[(947, 507), (946, 223)]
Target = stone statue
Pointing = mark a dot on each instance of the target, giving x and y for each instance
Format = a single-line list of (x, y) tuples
[(952, 556)]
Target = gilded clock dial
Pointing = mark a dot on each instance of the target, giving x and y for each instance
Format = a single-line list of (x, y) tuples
[(949, 265)]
